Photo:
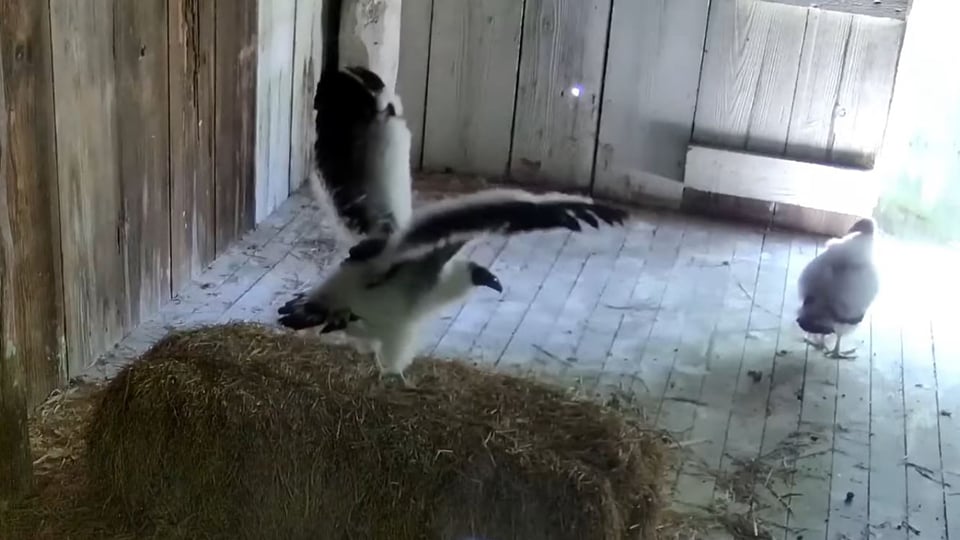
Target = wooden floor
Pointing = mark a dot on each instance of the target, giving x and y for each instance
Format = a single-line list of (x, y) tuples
[(696, 320)]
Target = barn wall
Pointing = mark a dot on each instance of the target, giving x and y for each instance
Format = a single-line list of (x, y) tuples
[(140, 139), (290, 55), (607, 95)]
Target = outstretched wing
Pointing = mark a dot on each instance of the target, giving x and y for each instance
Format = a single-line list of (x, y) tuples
[(498, 211), (352, 104)]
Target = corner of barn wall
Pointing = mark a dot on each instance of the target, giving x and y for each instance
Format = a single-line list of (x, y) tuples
[(290, 47)]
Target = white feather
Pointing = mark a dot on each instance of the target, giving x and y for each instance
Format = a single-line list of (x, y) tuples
[(389, 182), (848, 293)]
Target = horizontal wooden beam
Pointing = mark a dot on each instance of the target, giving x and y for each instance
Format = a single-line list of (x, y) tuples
[(809, 185), (888, 9)]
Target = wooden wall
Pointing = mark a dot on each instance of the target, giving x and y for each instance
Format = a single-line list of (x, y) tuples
[(290, 52), (798, 82), (138, 140), (607, 95)]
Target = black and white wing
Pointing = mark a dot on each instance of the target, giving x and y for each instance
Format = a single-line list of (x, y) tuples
[(362, 151), (495, 211)]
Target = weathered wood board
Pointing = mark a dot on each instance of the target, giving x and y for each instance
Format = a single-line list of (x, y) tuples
[(471, 85), (818, 81), (822, 187), (893, 9), (370, 36), (275, 50), (866, 89), (415, 27), (649, 98), (15, 461), (307, 65), (91, 193), (31, 328), (235, 119), (801, 82), (142, 113), (559, 91), (192, 211), (749, 75)]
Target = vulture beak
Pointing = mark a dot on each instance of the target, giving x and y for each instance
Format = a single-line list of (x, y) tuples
[(481, 277)]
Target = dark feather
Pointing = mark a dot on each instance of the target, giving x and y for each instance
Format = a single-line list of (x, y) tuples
[(371, 80), (300, 313), (367, 249), (346, 105), (509, 216)]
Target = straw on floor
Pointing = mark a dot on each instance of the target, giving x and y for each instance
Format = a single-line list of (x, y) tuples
[(242, 431)]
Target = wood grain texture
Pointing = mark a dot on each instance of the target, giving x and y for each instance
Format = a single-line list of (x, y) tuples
[(559, 91), (863, 102), (823, 187), (33, 331), (415, 19), (818, 82), (749, 74), (893, 9), (732, 59), (275, 37), (142, 115), (191, 58), (370, 36), (307, 65), (777, 82), (471, 85), (91, 197), (16, 471), (649, 98), (235, 118)]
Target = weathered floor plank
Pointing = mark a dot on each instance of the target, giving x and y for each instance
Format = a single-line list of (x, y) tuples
[(818, 401), (888, 479), (695, 319), (695, 484)]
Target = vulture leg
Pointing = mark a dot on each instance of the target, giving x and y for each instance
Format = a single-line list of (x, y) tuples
[(837, 353)]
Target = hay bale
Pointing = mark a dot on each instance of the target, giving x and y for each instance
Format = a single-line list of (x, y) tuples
[(241, 431)]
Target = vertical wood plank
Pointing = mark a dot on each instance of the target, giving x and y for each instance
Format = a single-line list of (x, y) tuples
[(307, 65), (235, 118), (749, 74), (31, 218), (866, 88), (649, 97), (15, 461), (777, 83), (415, 21), (91, 199), (142, 115), (275, 36), (732, 59), (559, 91), (471, 85), (191, 60), (370, 36), (821, 65)]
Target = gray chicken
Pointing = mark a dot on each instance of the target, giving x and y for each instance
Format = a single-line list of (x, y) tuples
[(838, 286)]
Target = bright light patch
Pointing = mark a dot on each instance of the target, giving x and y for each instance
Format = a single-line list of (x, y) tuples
[(575, 91)]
